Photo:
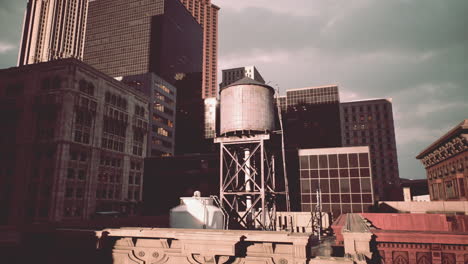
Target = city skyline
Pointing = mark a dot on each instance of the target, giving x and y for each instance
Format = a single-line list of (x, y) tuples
[(417, 59)]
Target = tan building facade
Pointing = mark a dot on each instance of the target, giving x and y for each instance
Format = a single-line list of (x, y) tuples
[(206, 14), (73, 142), (53, 29), (446, 163)]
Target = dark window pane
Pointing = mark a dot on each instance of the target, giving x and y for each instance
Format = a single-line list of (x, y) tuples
[(344, 173), (324, 186), (333, 173), (366, 185), (326, 208), (367, 198), (343, 160), (353, 161), (344, 185), (306, 207), (323, 162), (345, 198), (363, 160), (333, 160), (314, 198), (354, 173), (314, 174), (334, 186), (335, 198), (365, 172), (306, 198), (325, 198), (336, 209), (357, 208), (304, 160), (314, 185), (313, 162), (345, 208), (323, 174), (304, 174), (355, 188), (356, 198), (305, 186)]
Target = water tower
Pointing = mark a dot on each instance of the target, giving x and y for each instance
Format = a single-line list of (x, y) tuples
[(248, 189)]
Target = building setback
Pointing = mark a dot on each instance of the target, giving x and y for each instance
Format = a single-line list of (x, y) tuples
[(206, 15), (342, 175), (53, 29), (370, 123), (162, 110), (233, 75), (312, 117), (73, 142), (446, 163), (127, 38), (134, 37)]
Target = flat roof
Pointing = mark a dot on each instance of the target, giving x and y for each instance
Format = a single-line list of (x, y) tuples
[(312, 87), (340, 150), (369, 99)]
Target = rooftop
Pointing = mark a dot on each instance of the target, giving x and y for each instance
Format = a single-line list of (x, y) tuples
[(461, 128)]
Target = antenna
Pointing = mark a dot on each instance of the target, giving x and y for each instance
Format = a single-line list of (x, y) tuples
[(285, 174)]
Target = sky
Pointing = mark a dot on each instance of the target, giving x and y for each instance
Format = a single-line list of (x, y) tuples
[(413, 51)]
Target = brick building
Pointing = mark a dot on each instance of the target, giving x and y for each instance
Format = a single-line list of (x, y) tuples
[(73, 142), (446, 163), (370, 123)]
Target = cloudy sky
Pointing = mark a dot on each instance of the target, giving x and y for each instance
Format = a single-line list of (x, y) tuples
[(413, 51)]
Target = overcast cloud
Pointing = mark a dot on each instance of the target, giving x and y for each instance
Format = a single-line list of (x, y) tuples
[(413, 51)]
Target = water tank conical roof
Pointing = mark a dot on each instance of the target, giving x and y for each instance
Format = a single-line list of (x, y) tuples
[(246, 106), (247, 81)]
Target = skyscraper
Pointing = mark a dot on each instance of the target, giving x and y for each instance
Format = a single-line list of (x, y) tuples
[(370, 123), (235, 74), (312, 118), (206, 14), (53, 29), (136, 37), (133, 37)]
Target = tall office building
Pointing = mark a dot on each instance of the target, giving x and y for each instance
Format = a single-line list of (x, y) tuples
[(131, 37), (53, 29), (370, 123), (206, 15), (162, 110), (233, 75), (312, 117), (73, 142)]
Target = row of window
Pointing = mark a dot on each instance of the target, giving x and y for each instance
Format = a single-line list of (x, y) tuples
[(450, 168), (363, 185), (351, 160), (335, 173)]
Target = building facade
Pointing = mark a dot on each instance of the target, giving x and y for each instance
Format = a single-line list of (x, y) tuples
[(134, 37), (211, 116), (53, 29), (206, 15), (370, 123), (162, 109), (343, 176), (233, 75), (312, 118), (446, 163), (73, 143)]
